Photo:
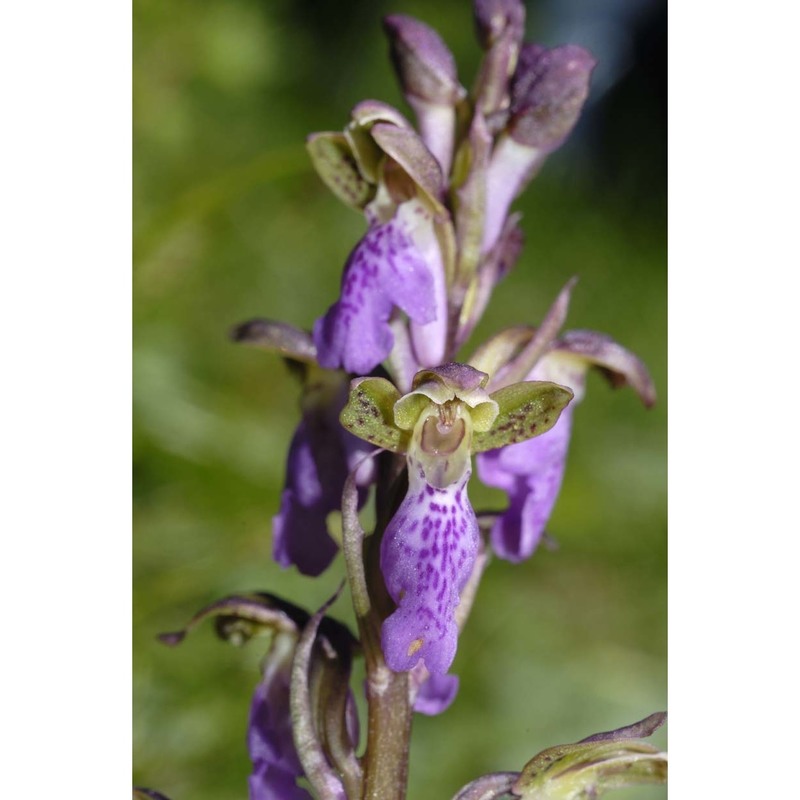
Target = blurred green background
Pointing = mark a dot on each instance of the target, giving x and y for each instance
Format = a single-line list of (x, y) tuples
[(230, 223)]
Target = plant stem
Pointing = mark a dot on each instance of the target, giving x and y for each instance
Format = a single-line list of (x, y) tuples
[(386, 758), (389, 717)]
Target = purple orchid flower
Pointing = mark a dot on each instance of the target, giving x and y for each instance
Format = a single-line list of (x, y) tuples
[(382, 167), (276, 765), (321, 455), (389, 268), (430, 546), (531, 472)]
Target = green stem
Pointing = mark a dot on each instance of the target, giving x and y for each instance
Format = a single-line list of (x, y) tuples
[(388, 698), (386, 758)]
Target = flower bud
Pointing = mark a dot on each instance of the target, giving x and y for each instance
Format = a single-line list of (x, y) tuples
[(548, 91), (425, 66), (427, 73)]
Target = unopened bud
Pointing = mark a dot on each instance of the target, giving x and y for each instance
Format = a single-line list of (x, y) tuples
[(548, 91), (427, 73), (425, 66)]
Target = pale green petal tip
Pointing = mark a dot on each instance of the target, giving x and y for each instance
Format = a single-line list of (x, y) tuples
[(484, 415), (408, 409)]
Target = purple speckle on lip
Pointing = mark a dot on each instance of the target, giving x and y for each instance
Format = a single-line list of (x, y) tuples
[(425, 567)]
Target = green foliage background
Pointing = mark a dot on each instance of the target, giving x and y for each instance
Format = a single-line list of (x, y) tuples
[(230, 223)]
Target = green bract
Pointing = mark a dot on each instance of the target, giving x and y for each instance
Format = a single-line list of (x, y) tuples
[(588, 769)]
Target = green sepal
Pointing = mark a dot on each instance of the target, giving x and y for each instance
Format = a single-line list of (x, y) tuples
[(333, 160), (589, 768), (527, 409), (369, 414)]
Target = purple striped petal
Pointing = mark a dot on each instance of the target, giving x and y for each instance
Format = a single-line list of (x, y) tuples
[(384, 271), (427, 554)]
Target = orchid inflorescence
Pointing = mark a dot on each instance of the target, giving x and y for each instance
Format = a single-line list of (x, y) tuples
[(394, 406)]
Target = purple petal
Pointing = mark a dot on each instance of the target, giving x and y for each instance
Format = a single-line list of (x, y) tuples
[(618, 365), (531, 473), (271, 783), (321, 455), (500, 25), (436, 694), (510, 169), (427, 554), (299, 530), (269, 736), (427, 72), (430, 338), (385, 270)]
